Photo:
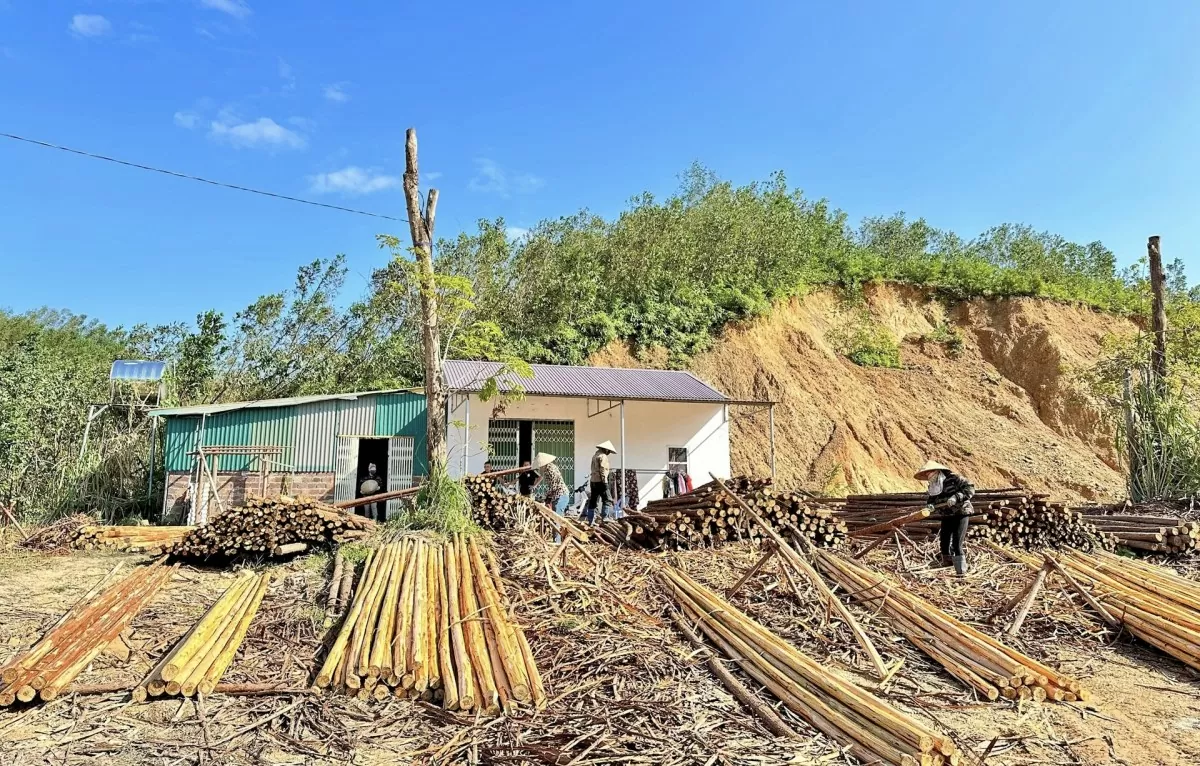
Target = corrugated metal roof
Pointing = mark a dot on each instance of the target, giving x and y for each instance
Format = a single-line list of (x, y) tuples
[(592, 382), (137, 369), (210, 409)]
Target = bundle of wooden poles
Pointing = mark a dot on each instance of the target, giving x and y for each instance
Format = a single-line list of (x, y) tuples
[(871, 729), (133, 539), (492, 508), (198, 661), (1150, 601), (271, 526), (978, 660), (1009, 516), (1154, 534), (707, 516), (80, 636), (430, 620)]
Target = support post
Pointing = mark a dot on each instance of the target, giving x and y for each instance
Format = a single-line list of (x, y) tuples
[(771, 418), (87, 427), (1158, 280), (624, 498), (153, 449), (466, 436)]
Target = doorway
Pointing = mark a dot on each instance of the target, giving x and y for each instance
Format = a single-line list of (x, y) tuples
[(371, 452)]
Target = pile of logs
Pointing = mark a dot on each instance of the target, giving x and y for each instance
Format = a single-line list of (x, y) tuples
[(707, 516), (872, 730), (430, 620), (276, 526), (1010, 516), (492, 508), (80, 636), (978, 660), (1150, 601), (201, 657), (1155, 534), (133, 539)]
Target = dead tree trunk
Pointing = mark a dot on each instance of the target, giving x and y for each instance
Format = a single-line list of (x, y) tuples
[(420, 225), (1158, 358)]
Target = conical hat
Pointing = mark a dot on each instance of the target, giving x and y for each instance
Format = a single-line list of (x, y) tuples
[(607, 447), (929, 468), (543, 459)]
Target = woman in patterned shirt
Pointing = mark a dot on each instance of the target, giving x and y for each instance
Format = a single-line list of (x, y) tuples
[(557, 495)]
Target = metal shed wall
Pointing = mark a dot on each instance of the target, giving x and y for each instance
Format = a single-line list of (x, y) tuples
[(308, 432), (404, 414), (180, 440)]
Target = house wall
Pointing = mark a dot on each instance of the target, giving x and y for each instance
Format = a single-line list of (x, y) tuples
[(650, 427), (235, 486)]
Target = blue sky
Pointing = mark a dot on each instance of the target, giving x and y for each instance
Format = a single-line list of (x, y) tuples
[(1080, 118)]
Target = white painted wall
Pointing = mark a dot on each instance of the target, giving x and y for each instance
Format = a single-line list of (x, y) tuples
[(650, 427)]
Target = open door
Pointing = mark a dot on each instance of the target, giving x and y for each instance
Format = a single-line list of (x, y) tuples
[(400, 469), (346, 468)]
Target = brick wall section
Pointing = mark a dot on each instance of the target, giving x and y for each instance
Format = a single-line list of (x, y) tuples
[(234, 487)]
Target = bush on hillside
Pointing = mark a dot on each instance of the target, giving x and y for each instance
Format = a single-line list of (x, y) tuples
[(866, 343)]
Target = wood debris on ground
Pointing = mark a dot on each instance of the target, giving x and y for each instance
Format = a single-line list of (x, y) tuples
[(131, 539)]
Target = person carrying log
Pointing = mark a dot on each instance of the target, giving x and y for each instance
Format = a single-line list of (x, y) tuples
[(952, 494), (372, 486), (598, 483), (551, 478)]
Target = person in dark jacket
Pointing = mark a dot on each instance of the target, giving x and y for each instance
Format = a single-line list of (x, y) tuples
[(952, 494), (373, 486)]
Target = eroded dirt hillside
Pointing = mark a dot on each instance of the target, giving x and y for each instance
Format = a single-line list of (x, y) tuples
[(1005, 408)]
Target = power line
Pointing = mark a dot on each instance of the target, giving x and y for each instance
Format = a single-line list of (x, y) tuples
[(235, 187)]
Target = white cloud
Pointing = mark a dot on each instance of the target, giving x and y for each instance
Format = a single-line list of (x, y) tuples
[(490, 178), (431, 177), (187, 120), (205, 32), (262, 132), (89, 25), (337, 93), (352, 180), (235, 8), (516, 233)]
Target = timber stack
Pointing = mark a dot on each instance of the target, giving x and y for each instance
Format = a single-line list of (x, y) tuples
[(1151, 602), (1153, 534), (978, 660), (706, 516), (1009, 516), (271, 526), (492, 508), (872, 730), (198, 661), (80, 636), (130, 539), (430, 620)]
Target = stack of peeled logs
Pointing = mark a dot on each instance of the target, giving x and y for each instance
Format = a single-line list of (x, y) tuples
[(79, 637), (271, 526), (1009, 516), (1154, 534), (491, 506), (201, 657), (132, 539), (1150, 601), (871, 729), (430, 620), (978, 660), (707, 516)]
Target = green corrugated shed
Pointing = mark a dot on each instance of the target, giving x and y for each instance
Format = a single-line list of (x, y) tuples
[(181, 439), (403, 414), (305, 431)]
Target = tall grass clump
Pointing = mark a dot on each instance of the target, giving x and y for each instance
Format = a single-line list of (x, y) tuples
[(443, 505), (1160, 436)]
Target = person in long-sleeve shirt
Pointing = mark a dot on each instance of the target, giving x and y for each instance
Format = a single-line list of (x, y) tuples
[(952, 493), (598, 484)]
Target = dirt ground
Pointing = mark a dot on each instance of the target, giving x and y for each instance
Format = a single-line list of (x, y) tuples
[(624, 688)]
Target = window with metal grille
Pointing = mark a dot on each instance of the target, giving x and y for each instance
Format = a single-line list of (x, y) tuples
[(504, 446), (557, 437), (677, 460)]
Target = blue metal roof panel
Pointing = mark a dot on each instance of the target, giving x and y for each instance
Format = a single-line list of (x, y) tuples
[(137, 369), (592, 382)]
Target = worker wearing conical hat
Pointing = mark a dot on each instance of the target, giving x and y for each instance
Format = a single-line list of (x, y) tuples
[(598, 483), (951, 494)]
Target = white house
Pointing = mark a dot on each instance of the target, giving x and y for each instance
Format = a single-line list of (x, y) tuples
[(660, 421)]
